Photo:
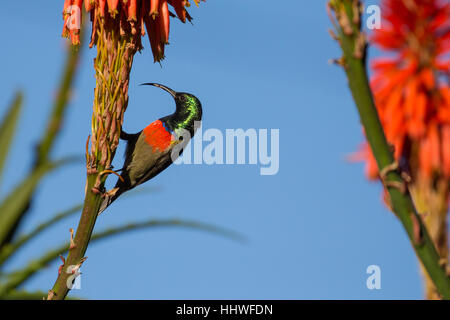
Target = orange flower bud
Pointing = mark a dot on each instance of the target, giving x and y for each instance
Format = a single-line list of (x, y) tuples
[(102, 8), (154, 4), (178, 5), (154, 36), (112, 7), (88, 5), (145, 7), (446, 149), (164, 22), (132, 8), (134, 16)]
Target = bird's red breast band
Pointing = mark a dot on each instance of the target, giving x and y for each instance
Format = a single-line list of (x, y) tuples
[(157, 136)]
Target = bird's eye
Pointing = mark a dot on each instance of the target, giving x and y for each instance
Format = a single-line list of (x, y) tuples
[(182, 98)]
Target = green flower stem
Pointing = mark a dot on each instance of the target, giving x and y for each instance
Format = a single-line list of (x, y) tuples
[(115, 53), (353, 45), (82, 237)]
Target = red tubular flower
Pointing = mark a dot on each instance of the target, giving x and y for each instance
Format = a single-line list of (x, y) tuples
[(179, 9), (154, 8), (164, 22), (411, 86), (154, 15), (411, 89), (102, 8), (112, 4), (132, 10), (88, 5)]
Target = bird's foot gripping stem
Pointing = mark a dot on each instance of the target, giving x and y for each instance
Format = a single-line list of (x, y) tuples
[(108, 197), (110, 193), (96, 188)]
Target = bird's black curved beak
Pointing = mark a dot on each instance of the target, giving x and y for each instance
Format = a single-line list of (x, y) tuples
[(172, 92)]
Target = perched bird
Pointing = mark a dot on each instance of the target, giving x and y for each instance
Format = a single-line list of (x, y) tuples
[(152, 150)]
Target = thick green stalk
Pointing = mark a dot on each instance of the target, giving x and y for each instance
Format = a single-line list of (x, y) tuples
[(351, 40), (81, 240), (115, 52)]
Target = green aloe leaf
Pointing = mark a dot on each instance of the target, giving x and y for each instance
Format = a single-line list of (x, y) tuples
[(13, 205), (55, 121), (8, 128), (10, 248)]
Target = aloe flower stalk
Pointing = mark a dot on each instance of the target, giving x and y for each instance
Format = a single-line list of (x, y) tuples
[(117, 27), (346, 18), (411, 87)]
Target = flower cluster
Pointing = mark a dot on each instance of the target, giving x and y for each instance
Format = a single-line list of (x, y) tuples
[(411, 85), (134, 16)]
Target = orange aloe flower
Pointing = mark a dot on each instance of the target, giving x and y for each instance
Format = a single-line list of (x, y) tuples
[(411, 88), (135, 16), (411, 85)]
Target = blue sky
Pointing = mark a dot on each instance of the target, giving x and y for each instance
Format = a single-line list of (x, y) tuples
[(312, 229)]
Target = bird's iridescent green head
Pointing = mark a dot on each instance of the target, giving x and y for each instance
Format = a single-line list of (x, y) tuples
[(187, 101), (188, 107)]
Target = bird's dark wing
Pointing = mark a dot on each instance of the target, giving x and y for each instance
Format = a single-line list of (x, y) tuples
[(160, 164), (142, 162), (128, 136), (131, 142)]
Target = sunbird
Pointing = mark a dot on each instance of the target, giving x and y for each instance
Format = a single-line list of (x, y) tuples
[(151, 150)]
